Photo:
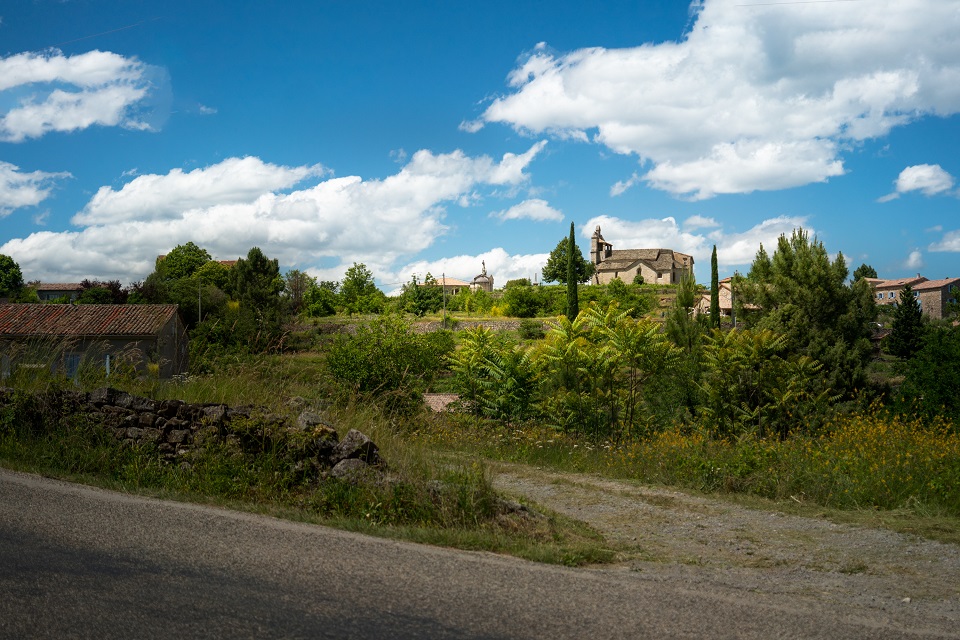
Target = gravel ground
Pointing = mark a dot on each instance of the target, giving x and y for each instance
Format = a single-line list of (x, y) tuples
[(704, 540)]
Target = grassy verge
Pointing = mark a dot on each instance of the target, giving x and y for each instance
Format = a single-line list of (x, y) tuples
[(419, 497), (870, 468)]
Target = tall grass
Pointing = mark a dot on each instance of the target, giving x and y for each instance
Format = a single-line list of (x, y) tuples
[(869, 459), (418, 495)]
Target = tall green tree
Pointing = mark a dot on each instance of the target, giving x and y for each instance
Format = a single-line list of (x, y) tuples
[(907, 332), (714, 290), (182, 261), (359, 292), (556, 268), (422, 298), (803, 295), (256, 283), (11, 278), (296, 283), (573, 302), (932, 375), (684, 328), (864, 271)]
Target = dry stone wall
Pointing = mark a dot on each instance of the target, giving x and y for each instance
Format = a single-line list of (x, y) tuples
[(177, 429)]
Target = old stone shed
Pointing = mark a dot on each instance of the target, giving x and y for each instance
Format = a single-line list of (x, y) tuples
[(65, 336)]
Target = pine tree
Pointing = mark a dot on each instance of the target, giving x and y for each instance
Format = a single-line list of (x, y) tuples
[(714, 291), (907, 335), (573, 302), (556, 268)]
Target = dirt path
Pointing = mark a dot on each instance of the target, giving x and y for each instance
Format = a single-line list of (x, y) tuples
[(707, 540)]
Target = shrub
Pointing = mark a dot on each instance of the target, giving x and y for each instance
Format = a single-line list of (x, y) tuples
[(385, 359), (531, 329)]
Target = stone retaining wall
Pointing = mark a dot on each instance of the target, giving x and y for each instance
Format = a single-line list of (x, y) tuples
[(177, 428)]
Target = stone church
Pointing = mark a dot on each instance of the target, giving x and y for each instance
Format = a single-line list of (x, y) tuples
[(657, 266)]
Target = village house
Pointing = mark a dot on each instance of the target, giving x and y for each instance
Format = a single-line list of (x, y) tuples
[(47, 291), (655, 266), (933, 296), (453, 286), (151, 338), (725, 296)]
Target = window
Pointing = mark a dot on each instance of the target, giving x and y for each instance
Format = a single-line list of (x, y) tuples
[(891, 295), (71, 364), (880, 296)]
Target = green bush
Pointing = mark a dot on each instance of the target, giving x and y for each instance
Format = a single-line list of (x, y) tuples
[(385, 359), (531, 329)]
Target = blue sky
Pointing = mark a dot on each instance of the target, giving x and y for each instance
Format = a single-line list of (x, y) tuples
[(431, 136)]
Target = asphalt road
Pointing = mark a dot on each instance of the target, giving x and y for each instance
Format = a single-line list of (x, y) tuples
[(78, 562)]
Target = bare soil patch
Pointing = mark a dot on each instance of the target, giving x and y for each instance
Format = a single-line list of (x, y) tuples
[(709, 540)]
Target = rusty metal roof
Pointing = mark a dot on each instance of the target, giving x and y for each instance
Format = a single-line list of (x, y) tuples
[(103, 320)]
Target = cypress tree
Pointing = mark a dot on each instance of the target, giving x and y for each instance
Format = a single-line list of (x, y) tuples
[(714, 291), (907, 335), (573, 302)]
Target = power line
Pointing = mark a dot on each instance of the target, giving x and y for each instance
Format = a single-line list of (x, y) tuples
[(104, 33)]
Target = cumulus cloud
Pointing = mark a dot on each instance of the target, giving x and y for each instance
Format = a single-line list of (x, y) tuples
[(19, 189), (928, 179), (700, 222), (44, 92), (335, 222), (534, 209), (733, 249), (158, 197), (741, 248), (914, 260), (756, 98), (950, 243)]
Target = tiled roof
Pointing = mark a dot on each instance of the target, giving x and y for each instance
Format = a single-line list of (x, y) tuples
[(657, 259), (447, 282), (899, 283), (84, 319), (58, 286), (937, 284)]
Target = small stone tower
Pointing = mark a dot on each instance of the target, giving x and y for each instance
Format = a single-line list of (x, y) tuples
[(600, 249), (482, 282)]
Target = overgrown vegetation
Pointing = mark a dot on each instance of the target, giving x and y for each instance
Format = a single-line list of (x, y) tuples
[(794, 403), (419, 495)]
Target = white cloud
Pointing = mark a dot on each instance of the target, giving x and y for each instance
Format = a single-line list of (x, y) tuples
[(700, 222), (914, 260), (928, 179), (157, 197), (44, 92), (732, 248), (756, 98), (645, 234), (621, 186), (19, 189), (336, 222), (950, 243), (534, 209), (741, 248)]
